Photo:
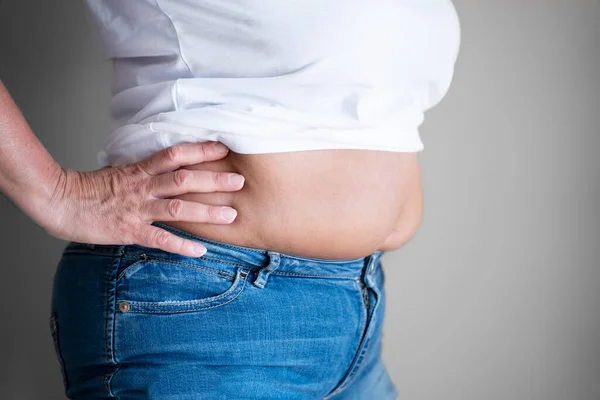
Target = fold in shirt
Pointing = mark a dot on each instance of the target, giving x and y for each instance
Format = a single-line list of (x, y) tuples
[(266, 76)]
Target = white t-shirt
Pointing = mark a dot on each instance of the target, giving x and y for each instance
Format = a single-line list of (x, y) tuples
[(267, 76)]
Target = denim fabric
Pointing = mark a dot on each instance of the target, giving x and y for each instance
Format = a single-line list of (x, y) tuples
[(132, 322)]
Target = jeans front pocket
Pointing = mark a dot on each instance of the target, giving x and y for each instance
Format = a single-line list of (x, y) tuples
[(162, 286), (54, 332)]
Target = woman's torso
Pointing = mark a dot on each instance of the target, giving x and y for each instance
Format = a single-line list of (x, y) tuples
[(328, 204), (318, 102)]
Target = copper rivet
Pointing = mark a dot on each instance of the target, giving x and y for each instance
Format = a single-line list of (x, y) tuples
[(123, 306)]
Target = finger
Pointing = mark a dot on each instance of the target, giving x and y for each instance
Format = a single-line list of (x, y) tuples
[(173, 157), (184, 181), (182, 210), (155, 237)]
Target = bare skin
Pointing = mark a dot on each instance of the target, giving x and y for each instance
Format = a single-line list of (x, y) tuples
[(328, 204)]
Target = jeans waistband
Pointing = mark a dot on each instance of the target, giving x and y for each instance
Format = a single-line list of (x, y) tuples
[(250, 257), (283, 262)]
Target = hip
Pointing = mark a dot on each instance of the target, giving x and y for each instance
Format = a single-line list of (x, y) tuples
[(134, 322)]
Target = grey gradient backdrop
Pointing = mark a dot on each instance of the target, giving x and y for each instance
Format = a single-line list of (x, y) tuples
[(497, 295)]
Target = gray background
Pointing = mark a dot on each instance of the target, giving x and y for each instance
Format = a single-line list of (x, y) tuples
[(494, 298)]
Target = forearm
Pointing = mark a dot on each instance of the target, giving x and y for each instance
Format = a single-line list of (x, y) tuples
[(28, 173)]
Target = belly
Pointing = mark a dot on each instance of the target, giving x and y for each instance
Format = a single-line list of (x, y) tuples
[(326, 204)]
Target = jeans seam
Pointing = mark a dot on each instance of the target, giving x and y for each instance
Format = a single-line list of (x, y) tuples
[(241, 289), (355, 366), (54, 330), (111, 299), (226, 293), (363, 328), (314, 275), (188, 265), (207, 270), (365, 349)]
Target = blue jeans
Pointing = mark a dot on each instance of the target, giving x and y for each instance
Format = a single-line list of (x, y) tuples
[(132, 322)]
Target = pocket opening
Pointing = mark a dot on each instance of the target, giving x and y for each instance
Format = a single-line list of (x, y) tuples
[(143, 259), (127, 304)]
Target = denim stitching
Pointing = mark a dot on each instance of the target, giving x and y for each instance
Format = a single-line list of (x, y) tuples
[(190, 265), (107, 334), (54, 331), (313, 275), (219, 272), (320, 261), (127, 268), (356, 367), (182, 302), (364, 351), (108, 377), (353, 364), (260, 285), (363, 310), (133, 256), (207, 270), (110, 313), (357, 363), (217, 260), (234, 286), (193, 309)]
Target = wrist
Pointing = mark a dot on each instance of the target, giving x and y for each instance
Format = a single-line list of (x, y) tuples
[(41, 204)]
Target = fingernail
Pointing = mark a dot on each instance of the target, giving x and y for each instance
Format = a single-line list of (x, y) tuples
[(199, 250), (220, 148), (228, 213), (235, 179)]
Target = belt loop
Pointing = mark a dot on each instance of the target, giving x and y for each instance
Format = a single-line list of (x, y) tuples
[(263, 274), (371, 263)]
